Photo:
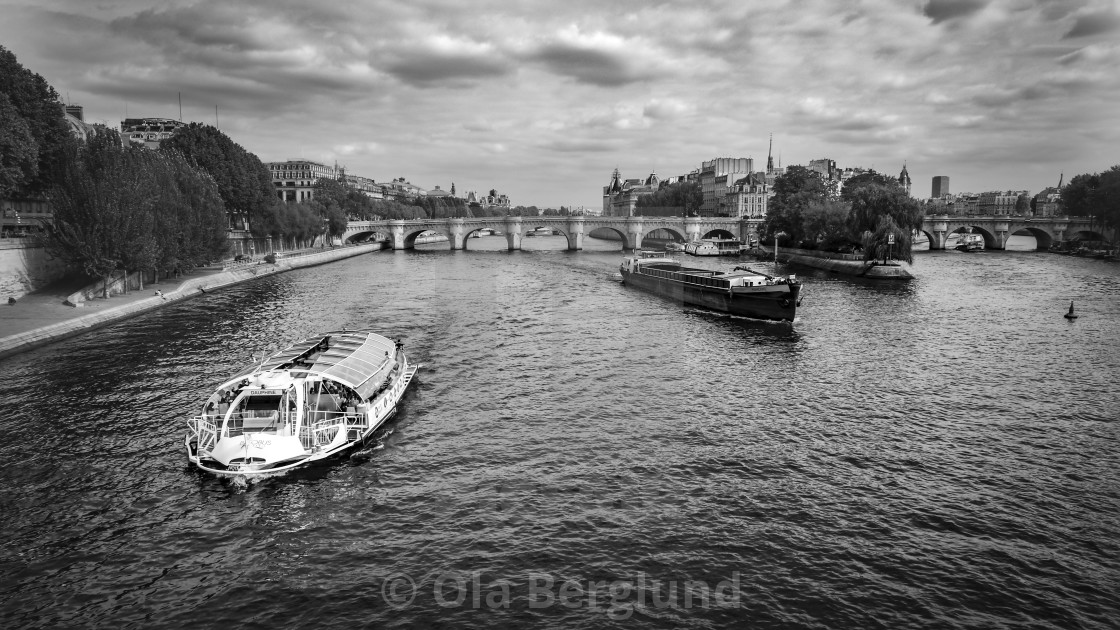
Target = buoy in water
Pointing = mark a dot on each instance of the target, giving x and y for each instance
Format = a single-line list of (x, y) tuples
[(1071, 314)]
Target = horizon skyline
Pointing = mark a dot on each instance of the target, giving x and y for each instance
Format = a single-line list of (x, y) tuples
[(542, 104)]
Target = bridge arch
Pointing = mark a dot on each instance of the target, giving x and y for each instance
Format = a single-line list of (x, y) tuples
[(622, 235), (1043, 237), (361, 236), (410, 235), (1086, 235), (990, 239), (675, 231), (496, 226), (718, 233)]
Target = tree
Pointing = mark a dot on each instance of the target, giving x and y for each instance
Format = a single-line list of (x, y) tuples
[(19, 156), (1077, 193), (1022, 204), (877, 244), (35, 102), (684, 195), (98, 205), (879, 211), (872, 201), (794, 191), (827, 223), (1106, 199), (854, 183), (125, 208), (243, 181)]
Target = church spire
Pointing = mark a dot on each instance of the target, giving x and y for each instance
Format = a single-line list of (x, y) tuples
[(770, 157)]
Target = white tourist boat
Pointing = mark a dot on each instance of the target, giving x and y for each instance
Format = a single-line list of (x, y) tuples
[(713, 247), (318, 398)]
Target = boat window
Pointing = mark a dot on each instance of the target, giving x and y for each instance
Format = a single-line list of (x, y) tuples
[(262, 403)]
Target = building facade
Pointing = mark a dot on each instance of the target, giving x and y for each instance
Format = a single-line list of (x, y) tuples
[(940, 187), (1048, 203), (726, 170), (295, 179), (366, 186), (1001, 203), (748, 197), (620, 196), (149, 132), (904, 179)]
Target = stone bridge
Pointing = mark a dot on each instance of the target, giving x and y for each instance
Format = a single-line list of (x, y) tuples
[(996, 229), (402, 233)]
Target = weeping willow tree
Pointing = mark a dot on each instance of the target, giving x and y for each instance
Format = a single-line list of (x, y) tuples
[(877, 243), (880, 208)]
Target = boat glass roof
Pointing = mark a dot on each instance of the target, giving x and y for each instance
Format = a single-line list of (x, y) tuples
[(352, 358)]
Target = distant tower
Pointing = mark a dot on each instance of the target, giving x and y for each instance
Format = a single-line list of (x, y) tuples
[(940, 186), (904, 179), (770, 157), (452, 189)]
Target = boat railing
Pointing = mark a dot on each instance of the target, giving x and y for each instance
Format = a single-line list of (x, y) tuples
[(325, 425), (204, 428)]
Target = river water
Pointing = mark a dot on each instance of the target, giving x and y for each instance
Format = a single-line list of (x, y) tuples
[(578, 454)]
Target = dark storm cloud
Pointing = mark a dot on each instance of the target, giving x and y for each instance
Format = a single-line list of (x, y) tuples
[(1094, 24), (426, 69), (589, 65), (944, 10)]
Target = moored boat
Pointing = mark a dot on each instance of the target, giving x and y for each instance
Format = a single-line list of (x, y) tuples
[(318, 398), (743, 291), (971, 243), (713, 247)]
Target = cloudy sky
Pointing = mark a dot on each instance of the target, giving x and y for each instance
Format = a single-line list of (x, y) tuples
[(543, 99)]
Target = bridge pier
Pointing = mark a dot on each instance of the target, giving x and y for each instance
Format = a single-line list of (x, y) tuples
[(633, 233), (455, 227), (938, 235), (396, 234), (692, 228), (513, 234), (575, 233)]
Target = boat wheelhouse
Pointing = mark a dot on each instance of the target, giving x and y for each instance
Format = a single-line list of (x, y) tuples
[(318, 398), (742, 291)]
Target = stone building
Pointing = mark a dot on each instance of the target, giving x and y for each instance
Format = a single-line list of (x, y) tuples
[(904, 179), (748, 196), (295, 179), (940, 186), (620, 196), (715, 176), (1048, 203), (149, 132), (1000, 203)]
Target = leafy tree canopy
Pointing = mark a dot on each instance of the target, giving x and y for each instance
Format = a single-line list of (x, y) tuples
[(33, 123), (127, 208), (243, 181), (684, 195), (794, 191), (870, 177)]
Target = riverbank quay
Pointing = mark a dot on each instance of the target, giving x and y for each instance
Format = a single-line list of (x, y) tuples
[(43, 317), (849, 264)]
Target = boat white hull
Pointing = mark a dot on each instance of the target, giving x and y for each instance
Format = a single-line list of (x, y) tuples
[(347, 437)]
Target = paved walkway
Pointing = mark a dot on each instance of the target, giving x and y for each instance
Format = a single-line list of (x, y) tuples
[(46, 306), (41, 316)]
